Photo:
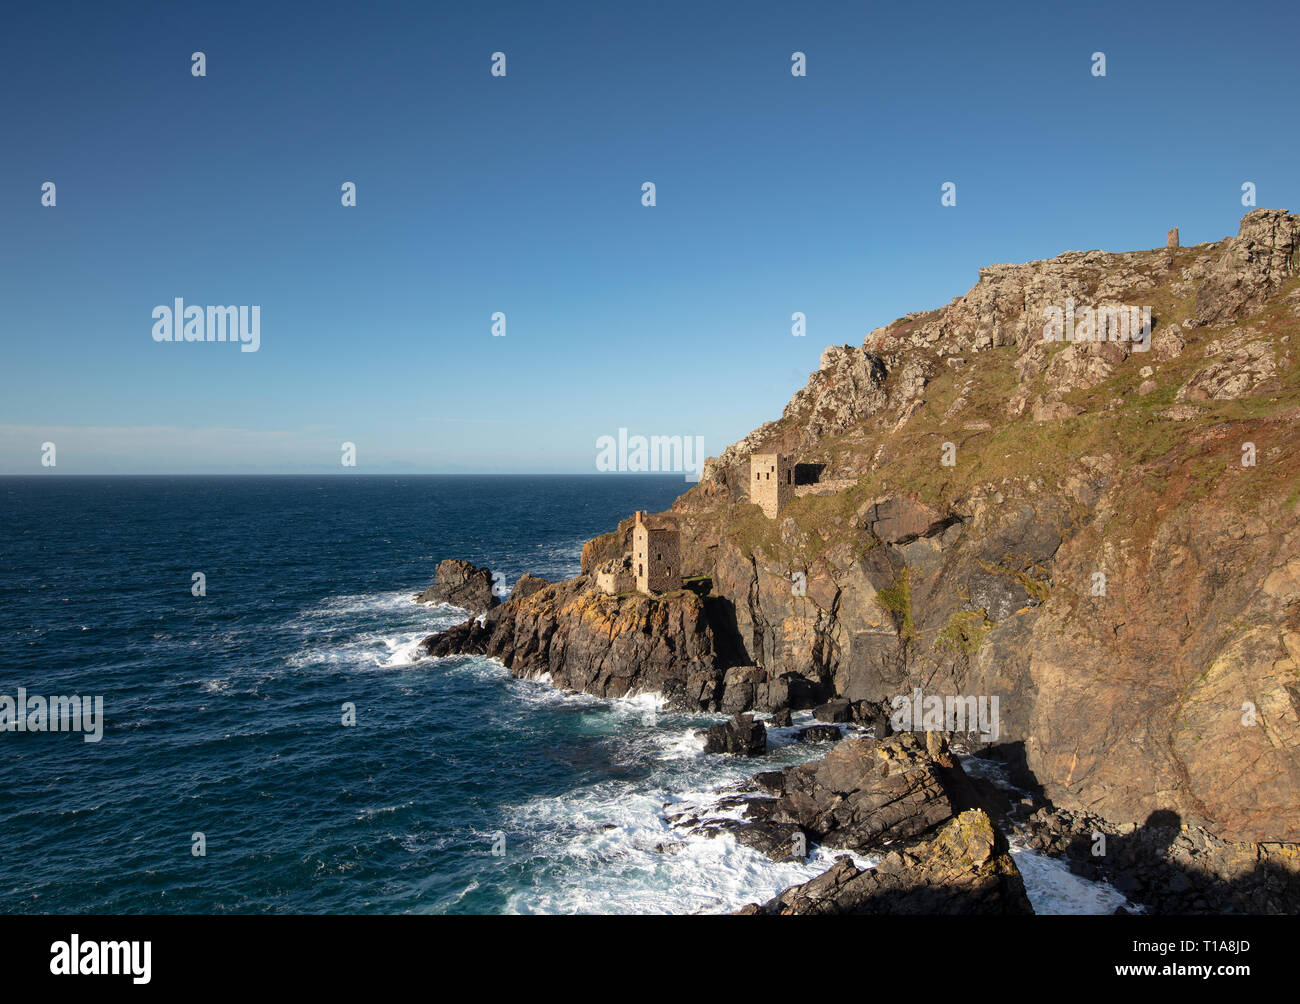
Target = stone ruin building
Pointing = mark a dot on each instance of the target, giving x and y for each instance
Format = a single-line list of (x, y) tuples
[(771, 482), (654, 564)]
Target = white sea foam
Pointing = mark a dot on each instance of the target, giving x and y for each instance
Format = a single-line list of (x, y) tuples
[(681, 745), (334, 607), (383, 810), (541, 690), (608, 850), (358, 631), (1054, 889), (610, 847), (1050, 885), (403, 650)]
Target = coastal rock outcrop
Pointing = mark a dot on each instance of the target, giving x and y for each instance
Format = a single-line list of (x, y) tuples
[(527, 585), (1102, 536), (462, 585), (741, 735), (1255, 263), (819, 734), (610, 646), (866, 793), (863, 795), (905, 797), (963, 869), (1116, 574)]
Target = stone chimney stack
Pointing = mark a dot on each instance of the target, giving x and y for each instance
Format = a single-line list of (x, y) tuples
[(1171, 239)]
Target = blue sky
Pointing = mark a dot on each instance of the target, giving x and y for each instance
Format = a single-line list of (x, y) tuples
[(522, 195)]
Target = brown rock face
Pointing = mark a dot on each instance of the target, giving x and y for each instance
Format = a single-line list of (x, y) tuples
[(902, 519), (964, 869), (527, 585), (607, 547), (1257, 261), (1113, 574), (742, 735), (610, 646), (866, 793), (1165, 685), (1176, 690), (462, 585)]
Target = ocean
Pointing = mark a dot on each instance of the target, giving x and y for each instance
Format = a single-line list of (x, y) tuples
[(459, 789)]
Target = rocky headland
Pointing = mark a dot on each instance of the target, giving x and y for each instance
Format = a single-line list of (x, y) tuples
[(1102, 534)]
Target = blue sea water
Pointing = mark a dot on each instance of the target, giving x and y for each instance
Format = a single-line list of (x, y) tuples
[(224, 712)]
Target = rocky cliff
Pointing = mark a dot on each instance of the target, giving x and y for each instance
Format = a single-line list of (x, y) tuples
[(1101, 533), (612, 646)]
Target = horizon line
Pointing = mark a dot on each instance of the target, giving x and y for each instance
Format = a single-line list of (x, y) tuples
[(336, 474)]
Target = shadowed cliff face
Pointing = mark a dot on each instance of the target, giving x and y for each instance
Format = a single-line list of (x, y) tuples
[(1066, 526)]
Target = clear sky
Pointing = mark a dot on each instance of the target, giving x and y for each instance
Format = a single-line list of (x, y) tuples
[(522, 194)]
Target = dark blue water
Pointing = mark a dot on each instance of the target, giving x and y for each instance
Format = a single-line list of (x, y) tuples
[(223, 712)]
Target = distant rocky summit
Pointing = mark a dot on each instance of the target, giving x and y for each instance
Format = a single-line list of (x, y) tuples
[(462, 585), (1100, 529)]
